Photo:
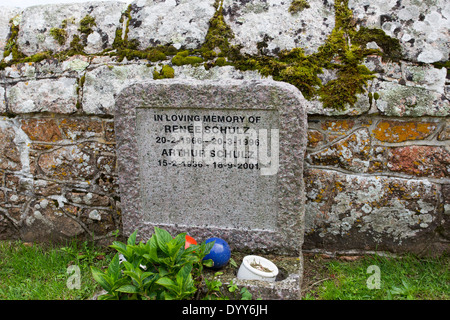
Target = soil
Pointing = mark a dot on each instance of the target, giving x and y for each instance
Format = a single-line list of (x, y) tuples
[(314, 273)]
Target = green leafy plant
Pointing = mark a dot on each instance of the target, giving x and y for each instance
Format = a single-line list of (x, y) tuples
[(82, 252), (407, 290), (161, 269), (215, 290)]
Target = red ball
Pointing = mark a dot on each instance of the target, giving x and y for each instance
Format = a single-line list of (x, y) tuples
[(189, 241)]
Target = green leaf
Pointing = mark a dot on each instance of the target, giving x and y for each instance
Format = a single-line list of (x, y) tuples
[(167, 296), (184, 275), (163, 271), (208, 263), (208, 247), (102, 279), (114, 268), (133, 275), (233, 263), (180, 238), (122, 281), (185, 283), (232, 286), (152, 242), (122, 248), (162, 239), (128, 288), (213, 285), (107, 296), (145, 275), (173, 249), (152, 256), (167, 283), (245, 294), (152, 252), (132, 239)]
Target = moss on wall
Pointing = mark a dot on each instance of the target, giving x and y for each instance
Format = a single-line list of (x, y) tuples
[(343, 52), (11, 45), (166, 72), (59, 34), (183, 57), (86, 25), (298, 6)]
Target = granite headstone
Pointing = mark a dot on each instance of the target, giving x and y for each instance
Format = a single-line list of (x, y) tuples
[(214, 159)]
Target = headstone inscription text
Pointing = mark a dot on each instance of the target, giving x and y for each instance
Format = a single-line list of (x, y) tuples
[(209, 168)]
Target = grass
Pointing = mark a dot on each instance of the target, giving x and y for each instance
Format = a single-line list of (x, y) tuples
[(403, 278), (40, 272)]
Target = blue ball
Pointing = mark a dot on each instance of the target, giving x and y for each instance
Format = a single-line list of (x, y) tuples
[(220, 253)]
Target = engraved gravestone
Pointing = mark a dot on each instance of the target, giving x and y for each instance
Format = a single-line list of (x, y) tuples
[(221, 159)]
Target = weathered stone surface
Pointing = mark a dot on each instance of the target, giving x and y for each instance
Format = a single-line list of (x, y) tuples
[(7, 228), (422, 161), (351, 153), (446, 201), (203, 190), (12, 182), (38, 21), (68, 163), (181, 23), (14, 213), (421, 26), (399, 131), (110, 135), (88, 199), (216, 73), (47, 188), (72, 67), (81, 128), (361, 106), (425, 76), (103, 83), (271, 24), (49, 220), (346, 212), (9, 151), (20, 71), (315, 138), (338, 125), (445, 133), (77, 63), (41, 129), (401, 100), (98, 221), (2, 100), (47, 95)]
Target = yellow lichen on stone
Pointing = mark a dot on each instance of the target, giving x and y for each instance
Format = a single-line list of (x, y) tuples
[(399, 131)]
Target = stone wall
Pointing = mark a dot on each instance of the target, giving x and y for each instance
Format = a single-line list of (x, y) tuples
[(378, 162)]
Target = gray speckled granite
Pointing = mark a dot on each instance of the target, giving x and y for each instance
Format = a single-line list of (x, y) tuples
[(285, 235)]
